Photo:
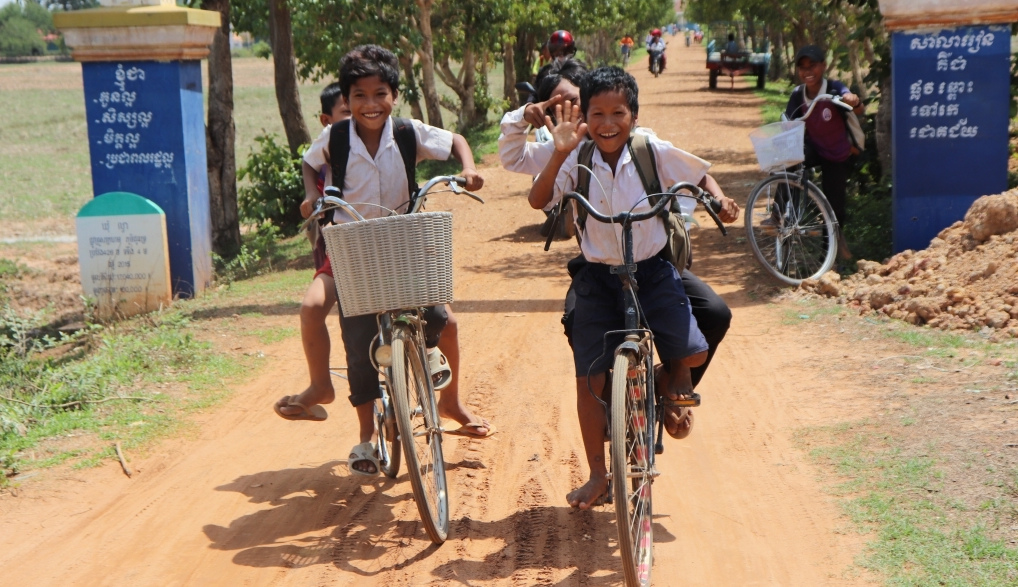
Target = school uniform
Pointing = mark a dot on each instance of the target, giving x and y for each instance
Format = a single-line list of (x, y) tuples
[(376, 187), (827, 144), (599, 297)]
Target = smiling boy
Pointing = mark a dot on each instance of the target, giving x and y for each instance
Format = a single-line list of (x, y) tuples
[(610, 106), (375, 181)]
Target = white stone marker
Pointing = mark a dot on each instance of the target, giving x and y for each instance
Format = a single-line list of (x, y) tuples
[(123, 255)]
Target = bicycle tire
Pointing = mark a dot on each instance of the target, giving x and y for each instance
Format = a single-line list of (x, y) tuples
[(420, 433), (389, 452), (800, 241), (631, 448)]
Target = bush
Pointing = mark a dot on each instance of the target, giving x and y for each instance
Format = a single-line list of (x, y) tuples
[(19, 38), (276, 187), (262, 49)]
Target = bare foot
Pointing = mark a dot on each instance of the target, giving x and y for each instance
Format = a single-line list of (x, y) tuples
[(308, 398), (673, 387), (589, 494)]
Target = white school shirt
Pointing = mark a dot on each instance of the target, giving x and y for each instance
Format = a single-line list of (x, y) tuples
[(522, 156), (380, 180), (514, 150), (602, 243)]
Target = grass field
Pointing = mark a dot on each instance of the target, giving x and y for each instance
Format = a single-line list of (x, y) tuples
[(44, 161)]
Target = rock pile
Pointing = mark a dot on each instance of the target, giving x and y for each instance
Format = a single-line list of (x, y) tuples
[(966, 280)]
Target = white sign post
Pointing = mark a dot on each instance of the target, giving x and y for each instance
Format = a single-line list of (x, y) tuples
[(123, 255)]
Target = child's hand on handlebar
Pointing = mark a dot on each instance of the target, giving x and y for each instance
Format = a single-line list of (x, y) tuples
[(474, 180), (308, 205), (729, 209), (570, 129)]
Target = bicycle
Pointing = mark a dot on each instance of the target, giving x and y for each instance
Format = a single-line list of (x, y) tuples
[(631, 407), (401, 261), (790, 225)]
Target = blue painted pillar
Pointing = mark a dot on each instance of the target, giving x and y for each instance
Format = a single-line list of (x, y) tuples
[(951, 105), (146, 135), (146, 121)]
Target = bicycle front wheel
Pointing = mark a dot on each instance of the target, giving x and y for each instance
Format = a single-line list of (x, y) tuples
[(632, 468), (420, 433), (791, 228)]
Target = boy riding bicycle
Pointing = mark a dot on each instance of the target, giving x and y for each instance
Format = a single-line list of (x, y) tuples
[(609, 99), (375, 180)]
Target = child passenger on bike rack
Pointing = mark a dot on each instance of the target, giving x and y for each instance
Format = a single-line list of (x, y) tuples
[(375, 175), (609, 99)]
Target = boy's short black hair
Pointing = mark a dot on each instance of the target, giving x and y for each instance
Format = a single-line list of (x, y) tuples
[(366, 61), (329, 96), (570, 69), (609, 79)]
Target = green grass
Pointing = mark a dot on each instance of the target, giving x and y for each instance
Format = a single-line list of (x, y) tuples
[(894, 498), (775, 96)]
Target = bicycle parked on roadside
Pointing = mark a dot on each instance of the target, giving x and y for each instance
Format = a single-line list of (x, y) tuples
[(635, 412), (394, 267), (790, 225)]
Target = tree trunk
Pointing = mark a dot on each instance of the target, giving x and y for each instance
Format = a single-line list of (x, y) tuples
[(883, 128), (464, 90), (426, 53), (523, 56), (412, 96), (509, 77), (219, 139), (287, 94)]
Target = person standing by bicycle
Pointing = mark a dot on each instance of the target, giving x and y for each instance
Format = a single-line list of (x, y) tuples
[(626, 47), (609, 99), (374, 175), (656, 47), (827, 140)]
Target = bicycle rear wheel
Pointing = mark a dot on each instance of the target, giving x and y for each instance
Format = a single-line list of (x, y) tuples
[(791, 228), (420, 433), (632, 468), (388, 439)]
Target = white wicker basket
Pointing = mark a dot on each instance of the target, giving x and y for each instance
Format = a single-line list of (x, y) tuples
[(391, 263), (779, 145)]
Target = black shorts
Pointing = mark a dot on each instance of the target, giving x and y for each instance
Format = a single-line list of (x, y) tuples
[(600, 308)]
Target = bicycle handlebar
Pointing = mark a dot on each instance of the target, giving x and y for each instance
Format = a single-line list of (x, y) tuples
[(710, 203), (822, 97), (332, 199)]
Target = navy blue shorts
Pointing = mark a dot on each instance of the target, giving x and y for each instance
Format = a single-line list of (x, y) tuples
[(600, 308)]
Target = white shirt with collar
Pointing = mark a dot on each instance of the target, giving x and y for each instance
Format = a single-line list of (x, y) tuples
[(613, 193), (379, 181)]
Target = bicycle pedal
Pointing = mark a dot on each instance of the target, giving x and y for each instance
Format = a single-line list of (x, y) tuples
[(688, 402)]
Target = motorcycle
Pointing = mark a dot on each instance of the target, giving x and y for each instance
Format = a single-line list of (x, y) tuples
[(655, 63)]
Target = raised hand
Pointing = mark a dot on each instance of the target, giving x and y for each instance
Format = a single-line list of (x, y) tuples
[(570, 128)]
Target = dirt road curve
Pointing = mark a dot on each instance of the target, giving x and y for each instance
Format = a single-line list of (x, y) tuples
[(251, 499)]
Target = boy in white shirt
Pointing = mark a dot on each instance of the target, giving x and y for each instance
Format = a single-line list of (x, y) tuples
[(609, 98), (375, 178)]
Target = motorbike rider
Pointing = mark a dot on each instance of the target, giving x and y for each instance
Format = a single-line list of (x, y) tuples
[(656, 47)]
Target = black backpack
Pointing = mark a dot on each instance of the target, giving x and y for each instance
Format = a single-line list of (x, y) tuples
[(677, 249), (406, 141)]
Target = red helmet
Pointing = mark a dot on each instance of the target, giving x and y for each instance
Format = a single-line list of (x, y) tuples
[(655, 33), (561, 44)]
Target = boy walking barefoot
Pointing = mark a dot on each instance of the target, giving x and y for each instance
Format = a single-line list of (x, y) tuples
[(609, 98), (374, 178)]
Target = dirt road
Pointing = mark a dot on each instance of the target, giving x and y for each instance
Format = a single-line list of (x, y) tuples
[(250, 499)]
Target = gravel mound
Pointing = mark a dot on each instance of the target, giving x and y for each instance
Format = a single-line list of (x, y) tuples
[(967, 279)]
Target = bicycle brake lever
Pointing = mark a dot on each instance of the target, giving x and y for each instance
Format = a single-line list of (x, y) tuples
[(713, 206)]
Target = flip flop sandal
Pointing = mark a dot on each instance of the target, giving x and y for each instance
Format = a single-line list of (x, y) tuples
[(364, 451), (315, 413), (470, 430), (441, 372)]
